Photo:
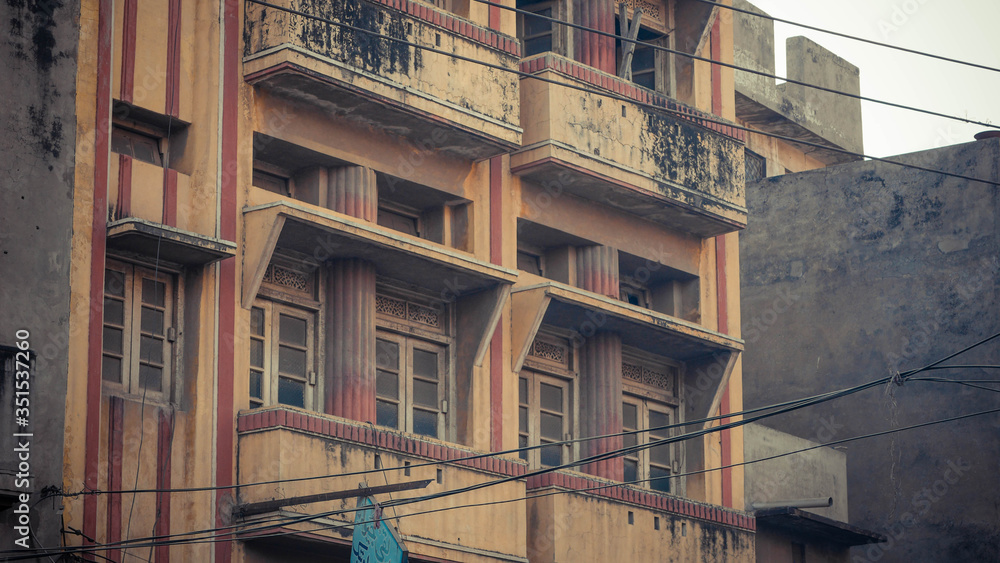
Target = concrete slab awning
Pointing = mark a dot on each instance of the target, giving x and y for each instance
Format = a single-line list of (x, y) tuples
[(478, 289), (708, 356), (294, 73), (145, 238), (554, 164), (814, 527)]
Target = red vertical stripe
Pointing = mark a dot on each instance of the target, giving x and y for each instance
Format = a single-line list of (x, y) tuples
[(170, 197), (720, 269), (227, 274), (495, 18), (723, 320), (173, 58), (123, 204), (105, 37), (496, 345), (716, 69), (128, 50), (163, 450), (116, 430)]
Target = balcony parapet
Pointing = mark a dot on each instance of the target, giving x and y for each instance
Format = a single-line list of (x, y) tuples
[(377, 437), (660, 502), (401, 77), (661, 160)]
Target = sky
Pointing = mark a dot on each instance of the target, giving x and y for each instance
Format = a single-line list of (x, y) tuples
[(959, 29)]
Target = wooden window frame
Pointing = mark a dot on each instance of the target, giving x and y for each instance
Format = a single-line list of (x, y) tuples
[(560, 34), (130, 136), (270, 365), (405, 377), (130, 357), (643, 458), (534, 380)]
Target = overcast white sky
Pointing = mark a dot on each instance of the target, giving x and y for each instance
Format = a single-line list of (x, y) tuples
[(960, 29)]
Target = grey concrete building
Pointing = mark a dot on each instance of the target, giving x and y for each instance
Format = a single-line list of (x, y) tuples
[(38, 58), (853, 272)]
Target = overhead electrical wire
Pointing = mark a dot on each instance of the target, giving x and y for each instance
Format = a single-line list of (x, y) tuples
[(618, 97), (311, 518), (852, 37), (733, 66), (822, 397), (899, 377)]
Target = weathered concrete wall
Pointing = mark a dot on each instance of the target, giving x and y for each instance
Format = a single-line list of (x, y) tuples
[(36, 173), (791, 109), (852, 272), (38, 59), (817, 473)]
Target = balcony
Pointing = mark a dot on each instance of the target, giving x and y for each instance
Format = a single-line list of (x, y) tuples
[(428, 97), (283, 443), (156, 211), (683, 171), (579, 518)]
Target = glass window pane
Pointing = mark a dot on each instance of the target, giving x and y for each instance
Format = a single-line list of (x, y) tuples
[(425, 393), (522, 442), (551, 455), (537, 45), (425, 364), (291, 361), (659, 484), (658, 419), (292, 330), (256, 387), (114, 283), (114, 311), (630, 416), (120, 143), (146, 150), (552, 397), (522, 419), (660, 455), (552, 426), (643, 59), (646, 80), (111, 369), (630, 440), (386, 384), (387, 355), (154, 292), (631, 470), (535, 25), (150, 377), (257, 353), (522, 391), (257, 321), (112, 340), (386, 414), (151, 350), (291, 392), (425, 423), (152, 321)]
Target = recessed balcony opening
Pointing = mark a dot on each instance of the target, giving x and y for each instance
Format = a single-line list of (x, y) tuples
[(655, 286), (547, 252), (424, 212)]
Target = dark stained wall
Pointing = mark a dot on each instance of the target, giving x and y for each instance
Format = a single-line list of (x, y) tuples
[(852, 272), (38, 65)]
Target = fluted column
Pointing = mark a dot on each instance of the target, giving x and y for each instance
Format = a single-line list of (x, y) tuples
[(350, 305), (351, 190), (601, 402), (592, 49), (597, 270)]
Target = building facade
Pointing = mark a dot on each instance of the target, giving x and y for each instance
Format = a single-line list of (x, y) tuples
[(322, 244)]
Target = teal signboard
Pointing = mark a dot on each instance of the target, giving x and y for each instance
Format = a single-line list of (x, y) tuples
[(375, 541)]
